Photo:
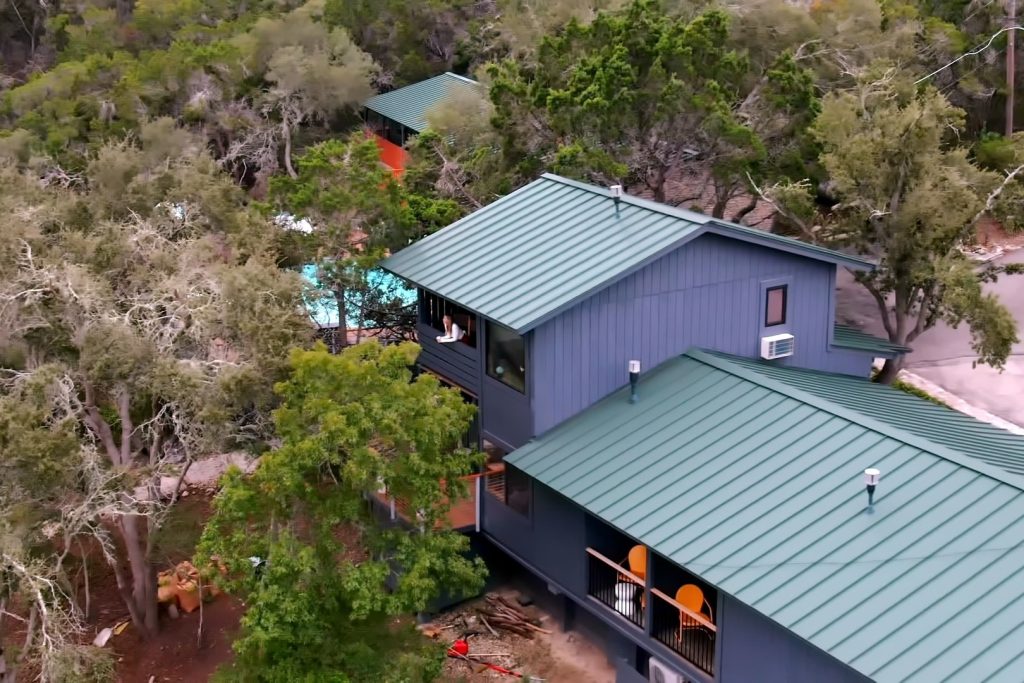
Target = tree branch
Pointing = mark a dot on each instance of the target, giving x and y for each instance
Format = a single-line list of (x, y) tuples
[(990, 201), (98, 425), (125, 415), (883, 308)]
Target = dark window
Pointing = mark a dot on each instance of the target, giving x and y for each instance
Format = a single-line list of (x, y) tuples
[(517, 491), (375, 122), (433, 309), (506, 356), (495, 454), (775, 305)]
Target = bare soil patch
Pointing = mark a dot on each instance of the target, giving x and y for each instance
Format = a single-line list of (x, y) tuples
[(177, 653), (991, 234)]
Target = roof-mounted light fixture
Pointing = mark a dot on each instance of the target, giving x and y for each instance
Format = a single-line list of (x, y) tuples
[(871, 477), (634, 379)]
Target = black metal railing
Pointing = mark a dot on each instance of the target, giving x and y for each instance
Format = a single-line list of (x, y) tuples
[(614, 586), (688, 634)]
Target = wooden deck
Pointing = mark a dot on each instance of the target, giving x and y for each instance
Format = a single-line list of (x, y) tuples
[(462, 516)]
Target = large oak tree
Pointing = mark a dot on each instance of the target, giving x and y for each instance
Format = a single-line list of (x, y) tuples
[(908, 198)]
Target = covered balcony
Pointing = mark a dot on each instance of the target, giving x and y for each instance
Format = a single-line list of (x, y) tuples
[(683, 613), (614, 586), (670, 605), (616, 572)]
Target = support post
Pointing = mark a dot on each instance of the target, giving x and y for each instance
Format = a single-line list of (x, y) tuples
[(479, 500), (1011, 63), (648, 601)]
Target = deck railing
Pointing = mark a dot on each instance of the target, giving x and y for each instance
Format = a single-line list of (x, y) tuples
[(616, 587), (687, 633), (465, 512), (494, 480)]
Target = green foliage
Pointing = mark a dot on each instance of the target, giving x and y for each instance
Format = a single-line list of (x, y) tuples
[(996, 153), (1005, 155), (349, 424), (135, 297), (36, 452), (411, 41), (908, 196), (459, 157), (359, 212), (639, 94)]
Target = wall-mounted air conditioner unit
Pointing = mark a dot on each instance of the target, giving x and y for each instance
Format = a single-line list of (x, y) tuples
[(659, 673), (777, 346)]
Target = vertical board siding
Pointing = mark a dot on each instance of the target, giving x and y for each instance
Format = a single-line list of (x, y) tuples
[(457, 362), (505, 414), (706, 294), (754, 648), (626, 673), (552, 539)]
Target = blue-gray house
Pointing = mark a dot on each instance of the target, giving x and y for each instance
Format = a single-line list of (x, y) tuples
[(712, 524)]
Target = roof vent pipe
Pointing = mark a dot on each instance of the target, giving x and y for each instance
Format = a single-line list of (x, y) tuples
[(616, 192), (634, 379), (871, 477)]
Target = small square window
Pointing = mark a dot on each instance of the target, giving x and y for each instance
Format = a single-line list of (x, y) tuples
[(775, 306)]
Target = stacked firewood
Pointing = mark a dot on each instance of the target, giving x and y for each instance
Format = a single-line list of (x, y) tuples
[(502, 613)]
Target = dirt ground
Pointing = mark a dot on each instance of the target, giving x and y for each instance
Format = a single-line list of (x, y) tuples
[(558, 657), (176, 654)]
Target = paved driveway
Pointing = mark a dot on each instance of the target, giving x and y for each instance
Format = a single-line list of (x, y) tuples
[(943, 354)]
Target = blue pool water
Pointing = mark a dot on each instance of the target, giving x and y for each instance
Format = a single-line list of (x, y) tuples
[(323, 307)]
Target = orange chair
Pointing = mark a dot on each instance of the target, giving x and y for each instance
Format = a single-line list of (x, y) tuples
[(692, 598), (638, 561)]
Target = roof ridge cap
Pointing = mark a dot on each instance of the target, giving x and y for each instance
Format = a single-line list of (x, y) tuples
[(704, 219), (919, 442), (633, 200), (467, 79)]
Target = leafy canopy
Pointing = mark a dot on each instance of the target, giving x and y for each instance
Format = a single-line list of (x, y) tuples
[(640, 94), (351, 424), (908, 196)]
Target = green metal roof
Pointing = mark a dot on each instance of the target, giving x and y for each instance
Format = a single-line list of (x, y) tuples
[(750, 476), (852, 338), (409, 105), (537, 251), (898, 409)]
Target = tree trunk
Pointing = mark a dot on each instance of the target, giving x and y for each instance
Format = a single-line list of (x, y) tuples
[(138, 619), (124, 10), (723, 193), (745, 210), (342, 337), (286, 131), (891, 368), (718, 210), (657, 183), (99, 427), (143, 592)]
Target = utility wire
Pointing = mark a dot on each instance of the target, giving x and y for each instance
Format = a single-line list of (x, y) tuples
[(977, 50)]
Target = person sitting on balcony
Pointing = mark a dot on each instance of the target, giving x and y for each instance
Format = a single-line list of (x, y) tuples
[(452, 332)]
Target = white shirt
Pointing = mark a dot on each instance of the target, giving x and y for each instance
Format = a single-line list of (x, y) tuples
[(455, 336)]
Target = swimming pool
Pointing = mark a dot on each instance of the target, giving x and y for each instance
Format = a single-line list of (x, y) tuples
[(323, 308)]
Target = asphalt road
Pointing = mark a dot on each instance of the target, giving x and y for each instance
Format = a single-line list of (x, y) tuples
[(943, 354)]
